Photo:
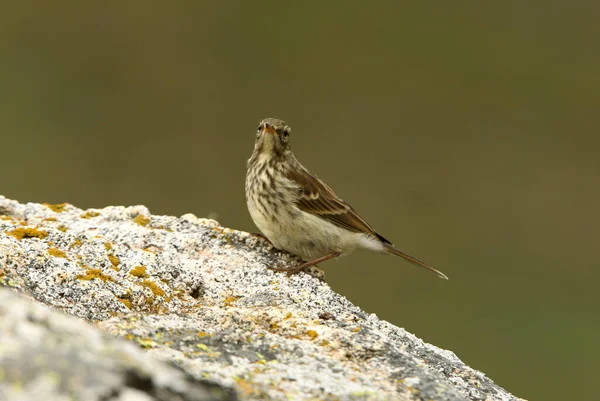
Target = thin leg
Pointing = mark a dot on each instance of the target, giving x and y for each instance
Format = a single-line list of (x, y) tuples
[(305, 265)]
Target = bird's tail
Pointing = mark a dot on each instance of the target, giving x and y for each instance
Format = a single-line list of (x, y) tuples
[(389, 248)]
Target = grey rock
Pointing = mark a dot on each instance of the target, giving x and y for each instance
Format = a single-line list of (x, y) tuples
[(199, 296), (46, 355)]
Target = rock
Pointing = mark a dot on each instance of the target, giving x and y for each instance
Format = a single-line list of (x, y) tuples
[(47, 355), (198, 296)]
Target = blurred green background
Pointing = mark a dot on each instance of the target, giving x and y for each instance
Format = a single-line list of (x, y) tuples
[(467, 133)]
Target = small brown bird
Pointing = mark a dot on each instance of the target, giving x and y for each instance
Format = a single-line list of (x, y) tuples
[(298, 212)]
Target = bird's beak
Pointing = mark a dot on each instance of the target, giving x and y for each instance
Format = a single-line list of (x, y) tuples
[(269, 130)]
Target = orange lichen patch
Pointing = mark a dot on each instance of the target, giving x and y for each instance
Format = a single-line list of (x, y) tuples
[(139, 271), (312, 334), (91, 274), (249, 389), (49, 219), (356, 329), (4, 217), (75, 243), (56, 253), (58, 208), (324, 343), (230, 300), (20, 233), (107, 246), (125, 299), (89, 214), (62, 228), (125, 302), (156, 290), (114, 260), (202, 334), (141, 220), (23, 223)]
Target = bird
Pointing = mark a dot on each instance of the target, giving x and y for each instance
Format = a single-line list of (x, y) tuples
[(298, 212)]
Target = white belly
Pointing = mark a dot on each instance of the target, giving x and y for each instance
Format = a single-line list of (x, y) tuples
[(306, 235)]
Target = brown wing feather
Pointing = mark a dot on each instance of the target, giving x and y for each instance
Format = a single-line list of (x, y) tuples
[(319, 199)]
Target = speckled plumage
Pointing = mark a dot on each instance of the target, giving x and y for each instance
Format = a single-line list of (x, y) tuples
[(299, 213)]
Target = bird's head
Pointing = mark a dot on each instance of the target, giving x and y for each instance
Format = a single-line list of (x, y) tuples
[(272, 138)]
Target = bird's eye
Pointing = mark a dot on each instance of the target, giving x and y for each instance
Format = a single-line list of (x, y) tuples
[(285, 134), (260, 127)]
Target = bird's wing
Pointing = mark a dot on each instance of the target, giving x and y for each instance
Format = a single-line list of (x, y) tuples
[(318, 198)]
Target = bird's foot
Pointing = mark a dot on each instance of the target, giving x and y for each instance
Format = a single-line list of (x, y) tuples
[(259, 235), (310, 269)]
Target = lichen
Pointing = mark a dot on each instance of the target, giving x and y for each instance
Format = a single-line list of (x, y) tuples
[(89, 214), (114, 260), (312, 334), (125, 302), (20, 233), (62, 228), (139, 271), (141, 220), (57, 253), (107, 246), (58, 208), (230, 300), (50, 219), (156, 290), (91, 274)]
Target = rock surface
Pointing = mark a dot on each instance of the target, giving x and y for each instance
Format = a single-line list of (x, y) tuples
[(198, 296)]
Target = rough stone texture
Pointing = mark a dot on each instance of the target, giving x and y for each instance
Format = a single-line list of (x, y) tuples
[(199, 296), (46, 355)]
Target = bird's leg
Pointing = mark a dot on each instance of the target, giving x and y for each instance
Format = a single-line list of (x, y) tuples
[(306, 265), (261, 236)]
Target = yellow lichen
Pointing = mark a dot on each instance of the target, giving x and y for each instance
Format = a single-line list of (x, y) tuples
[(312, 334), (145, 343), (62, 228), (141, 220), (114, 260), (58, 208), (125, 302), (324, 343), (107, 246), (230, 300), (75, 243), (139, 271), (4, 217), (356, 329), (89, 214), (50, 219), (57, 253), (248, 389), (20, 233), (156, 290), (91, 274)]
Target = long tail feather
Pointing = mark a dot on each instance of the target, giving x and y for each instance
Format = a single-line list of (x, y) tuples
[(390, 249)]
